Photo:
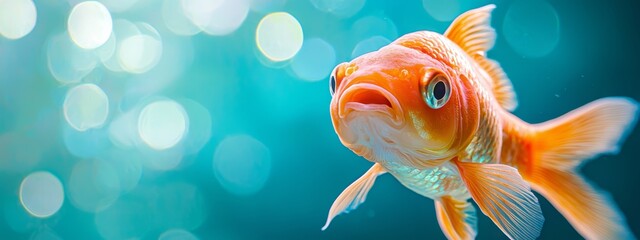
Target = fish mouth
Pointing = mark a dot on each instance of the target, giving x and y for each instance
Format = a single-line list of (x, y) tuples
[(367, 97)]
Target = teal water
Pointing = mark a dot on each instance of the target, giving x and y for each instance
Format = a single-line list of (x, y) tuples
[(176, 125)]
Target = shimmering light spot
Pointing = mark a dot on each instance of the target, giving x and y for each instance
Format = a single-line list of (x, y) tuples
[(139, 53), (369, 45), (67, 62), (93, 185), (177, 234), (219, 17), (279, 36), (199, 130), (17, 18), (41, 194), (86, 106), (242, 164), (315, 60), (122, 29), (531, 28), (176, 20), (340, 8), (162, 124), (266, 6), (443, 11), (89, 24)]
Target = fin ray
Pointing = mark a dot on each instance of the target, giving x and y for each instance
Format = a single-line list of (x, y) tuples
[(355, 194), (457, 218), (473, 33), (561, 145), (504, 197)]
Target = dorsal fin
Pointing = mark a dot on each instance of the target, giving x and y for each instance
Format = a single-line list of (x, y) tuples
[(501, 86), (472, 31)]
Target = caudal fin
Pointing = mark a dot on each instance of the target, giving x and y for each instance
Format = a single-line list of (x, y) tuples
[(560, 145)]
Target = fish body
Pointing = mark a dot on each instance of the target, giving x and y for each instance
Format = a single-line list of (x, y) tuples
[(433, 111)]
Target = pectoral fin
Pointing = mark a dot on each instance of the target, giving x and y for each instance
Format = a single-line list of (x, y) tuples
[(354, 194), (505, 197), (457, 218)]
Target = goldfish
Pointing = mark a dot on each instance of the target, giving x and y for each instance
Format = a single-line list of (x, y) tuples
[(435, 112)]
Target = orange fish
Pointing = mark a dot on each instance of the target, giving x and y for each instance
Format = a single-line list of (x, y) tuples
[(433, 111)]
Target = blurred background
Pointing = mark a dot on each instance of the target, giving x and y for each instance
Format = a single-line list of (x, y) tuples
[(208, 119)]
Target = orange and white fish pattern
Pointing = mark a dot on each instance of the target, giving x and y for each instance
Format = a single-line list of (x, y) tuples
[(433, 111)]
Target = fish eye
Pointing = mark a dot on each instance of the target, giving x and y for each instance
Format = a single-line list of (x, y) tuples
[(332, 84), (435, 90), (332, 81)]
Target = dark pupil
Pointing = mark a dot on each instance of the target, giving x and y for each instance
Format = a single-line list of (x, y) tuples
[(439, 90), (333, 83)]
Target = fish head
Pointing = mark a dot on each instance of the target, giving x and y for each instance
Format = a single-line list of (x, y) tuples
[(399, 104)]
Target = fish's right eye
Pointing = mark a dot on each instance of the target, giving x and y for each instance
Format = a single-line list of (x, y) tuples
[(332, 83), (333, 80)]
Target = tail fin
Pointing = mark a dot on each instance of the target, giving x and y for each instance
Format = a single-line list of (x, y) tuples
[(560, 145)]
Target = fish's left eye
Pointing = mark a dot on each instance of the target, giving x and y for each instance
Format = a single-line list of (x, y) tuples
[(436, 90)]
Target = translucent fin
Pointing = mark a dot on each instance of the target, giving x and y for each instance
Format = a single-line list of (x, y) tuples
[(504, 197), (457, 218), (472, 31), (562, 144), (581, 134), (501, 85), (354, 194), (592, 213)]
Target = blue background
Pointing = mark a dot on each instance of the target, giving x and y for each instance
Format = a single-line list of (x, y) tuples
[(596, 55)]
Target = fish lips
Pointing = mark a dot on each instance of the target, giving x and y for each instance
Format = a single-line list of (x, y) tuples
[(370, 98)]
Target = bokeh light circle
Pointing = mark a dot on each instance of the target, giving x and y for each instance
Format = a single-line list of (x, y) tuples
[(175, 19), (315, 60), (162, 124), (67, 62), (531, 28), (122, 29), (41, 194), (279, 36), (219, 17), (369, 45), (340, 8), (89, 24), (200, 126), (86, 106), (442, 11), (177, 234), (242, 164), (93, 185), (17, 18), (139, 53)]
